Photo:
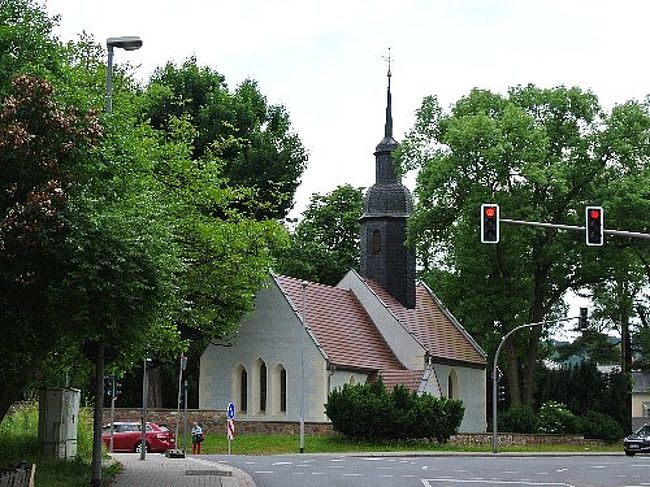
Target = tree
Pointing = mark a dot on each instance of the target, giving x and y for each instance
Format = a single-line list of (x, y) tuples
[(542, 154), (254, 139), (325, 244)]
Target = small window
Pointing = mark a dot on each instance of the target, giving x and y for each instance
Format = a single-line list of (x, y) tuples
[(283, 391), (243, 391), (376, 242), (646, 409), (263, 387)]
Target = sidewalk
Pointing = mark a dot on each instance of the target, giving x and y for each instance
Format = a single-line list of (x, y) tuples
[(160, 471)]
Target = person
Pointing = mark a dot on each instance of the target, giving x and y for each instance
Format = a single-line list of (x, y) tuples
[(197, 438)]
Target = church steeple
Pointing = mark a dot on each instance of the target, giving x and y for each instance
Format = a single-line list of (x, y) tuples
[(387, 206)]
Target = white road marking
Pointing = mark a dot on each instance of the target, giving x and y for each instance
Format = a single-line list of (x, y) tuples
[(336, 460), (428, 482), (598, 466), (424, 467), (262, 471), (372, 459), (387, 476), (318, 473), (352, 474), (562, 470), (298, 473), (336, 466), (282, 463)]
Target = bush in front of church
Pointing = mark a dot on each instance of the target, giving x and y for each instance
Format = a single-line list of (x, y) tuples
[(369, 411)]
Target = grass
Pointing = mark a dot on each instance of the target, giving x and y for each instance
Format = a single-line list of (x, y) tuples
[(19, 442), (276, 444)]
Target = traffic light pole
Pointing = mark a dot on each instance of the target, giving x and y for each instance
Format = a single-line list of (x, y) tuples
[(494, 371), (110, 449), (559, 226)]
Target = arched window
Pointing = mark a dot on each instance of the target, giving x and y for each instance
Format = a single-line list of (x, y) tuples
[(240, 388), (283, 391), (278, 390), (376, 242), (353, 380), (453, 391), (263, 387)]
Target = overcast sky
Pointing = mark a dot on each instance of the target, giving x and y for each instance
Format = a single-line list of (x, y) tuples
[(323, 60)]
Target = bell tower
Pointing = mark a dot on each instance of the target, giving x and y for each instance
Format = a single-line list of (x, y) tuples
[(387, 206)]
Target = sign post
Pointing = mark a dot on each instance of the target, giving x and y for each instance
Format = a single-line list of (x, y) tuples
[(230, 424)]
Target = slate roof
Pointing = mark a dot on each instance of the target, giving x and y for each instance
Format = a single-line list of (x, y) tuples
[(340, 325), (432, 325)]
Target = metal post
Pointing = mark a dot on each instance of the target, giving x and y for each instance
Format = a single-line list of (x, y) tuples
[(302, 367), (185, 417), (145, 393), (494, 372), (110, 447), (98, 417), (109, 80), (180, 385)]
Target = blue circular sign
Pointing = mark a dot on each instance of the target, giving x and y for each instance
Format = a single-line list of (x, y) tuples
[(231, 411)]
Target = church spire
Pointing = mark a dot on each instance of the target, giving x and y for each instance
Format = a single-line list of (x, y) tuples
[(388, 129), (388, 143)]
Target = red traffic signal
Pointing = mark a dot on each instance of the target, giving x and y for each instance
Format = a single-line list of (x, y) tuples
[(489, 223), (594, 226)]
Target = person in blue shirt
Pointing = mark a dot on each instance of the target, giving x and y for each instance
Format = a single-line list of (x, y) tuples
[(197, 438)]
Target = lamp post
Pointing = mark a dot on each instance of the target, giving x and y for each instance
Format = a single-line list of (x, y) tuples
[(302, 367), (582, 323), (128, 43)]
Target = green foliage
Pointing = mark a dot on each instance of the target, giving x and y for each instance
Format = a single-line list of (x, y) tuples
[(519, 419), (600, 426), (583, 388), (542, 155), (325, 244), (555, 418), (369, 411), (254, 139)]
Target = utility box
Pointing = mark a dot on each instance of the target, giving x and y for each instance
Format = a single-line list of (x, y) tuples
[(58, 419)]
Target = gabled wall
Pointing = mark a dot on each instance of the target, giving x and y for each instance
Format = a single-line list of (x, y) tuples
[(405, 347), (272, 333)]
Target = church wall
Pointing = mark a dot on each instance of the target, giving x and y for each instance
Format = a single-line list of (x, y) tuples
[(407, 350), (340, 377), (470, 388), (271, 335)]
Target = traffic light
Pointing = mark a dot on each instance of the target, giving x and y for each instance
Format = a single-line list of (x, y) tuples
[(118, 388), (501, 394), (583, 319), (108, 385), (594, 225), (489, 223)]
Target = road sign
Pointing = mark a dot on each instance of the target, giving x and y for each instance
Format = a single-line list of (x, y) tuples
[(231, 429), (231, 411)]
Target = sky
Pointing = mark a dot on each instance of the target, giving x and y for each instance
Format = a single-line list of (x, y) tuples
[(324, 60)]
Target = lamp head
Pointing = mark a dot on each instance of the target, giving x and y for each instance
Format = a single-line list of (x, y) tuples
[(128, 43)]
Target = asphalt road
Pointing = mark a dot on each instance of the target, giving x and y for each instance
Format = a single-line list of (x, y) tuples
[(439, 471)]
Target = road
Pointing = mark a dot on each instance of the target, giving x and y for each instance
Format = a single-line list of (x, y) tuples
[(438, 471)]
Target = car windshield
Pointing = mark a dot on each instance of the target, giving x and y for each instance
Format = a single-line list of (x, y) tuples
[(163, 427), (644, 430)]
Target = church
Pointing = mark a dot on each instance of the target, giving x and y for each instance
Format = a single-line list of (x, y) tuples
[(304, 339)]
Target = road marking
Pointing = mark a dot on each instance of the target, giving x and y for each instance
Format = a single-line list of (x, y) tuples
[(318, 473), (424, 467), (598, 466), (562, 470), (352, 474), (337, 460), (298, 473), (262, 471), (335, 466), (282, 463), (428, 482), (372, 459)]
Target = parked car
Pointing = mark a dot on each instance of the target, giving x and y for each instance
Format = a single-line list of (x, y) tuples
[(638, 442), (127, 437)]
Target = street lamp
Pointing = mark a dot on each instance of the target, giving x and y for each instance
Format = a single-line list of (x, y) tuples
[(128, 43), (302, 368)]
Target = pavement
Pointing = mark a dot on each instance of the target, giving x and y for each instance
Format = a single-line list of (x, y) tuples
[(191, 471)]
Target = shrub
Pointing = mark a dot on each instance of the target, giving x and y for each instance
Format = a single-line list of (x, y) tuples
[(555, 417), (369, 411), (600, 426), (519, 419)]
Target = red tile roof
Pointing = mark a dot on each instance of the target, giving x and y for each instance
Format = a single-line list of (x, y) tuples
[(340, 325), (409, 378), (432, 326)]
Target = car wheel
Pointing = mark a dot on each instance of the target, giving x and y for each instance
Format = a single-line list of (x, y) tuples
[(138, 447), (629, 453)]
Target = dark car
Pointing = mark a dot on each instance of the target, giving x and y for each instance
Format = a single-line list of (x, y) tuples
[(638, 442), (127, 437)]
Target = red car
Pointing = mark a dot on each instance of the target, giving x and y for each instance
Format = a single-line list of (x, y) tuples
[(127, 437)]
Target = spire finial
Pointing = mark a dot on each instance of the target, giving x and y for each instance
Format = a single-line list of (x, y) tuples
[(388, 130)]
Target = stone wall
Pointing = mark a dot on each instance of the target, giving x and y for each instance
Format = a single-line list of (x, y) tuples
[(215, 421)]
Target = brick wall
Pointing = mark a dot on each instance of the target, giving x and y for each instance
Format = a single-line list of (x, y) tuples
[(215, 421)]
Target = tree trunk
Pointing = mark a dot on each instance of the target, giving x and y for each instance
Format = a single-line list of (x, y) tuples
[(513, 371), (154, 393), (9, 393)]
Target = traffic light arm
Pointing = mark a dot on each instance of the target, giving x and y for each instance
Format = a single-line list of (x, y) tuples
[(622, 233), (496, 362)]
